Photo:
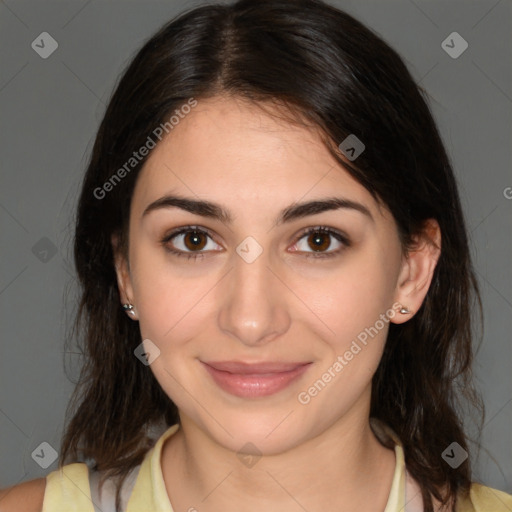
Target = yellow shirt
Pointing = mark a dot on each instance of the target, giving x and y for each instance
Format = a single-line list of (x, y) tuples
[(68, 489)]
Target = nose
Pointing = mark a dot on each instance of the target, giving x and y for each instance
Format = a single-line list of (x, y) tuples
[(253, 305)]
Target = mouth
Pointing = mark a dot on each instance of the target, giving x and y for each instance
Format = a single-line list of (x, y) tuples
[(248, 380)]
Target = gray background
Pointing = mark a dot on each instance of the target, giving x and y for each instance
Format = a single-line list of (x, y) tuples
[(52, 107)]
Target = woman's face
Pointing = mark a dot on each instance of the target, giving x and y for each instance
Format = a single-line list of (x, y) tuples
[(272, 334)]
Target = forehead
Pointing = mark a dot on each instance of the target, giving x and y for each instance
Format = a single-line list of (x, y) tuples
[(236, 153)]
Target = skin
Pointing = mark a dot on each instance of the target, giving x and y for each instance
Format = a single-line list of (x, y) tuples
[(283, 306), (25, 497)]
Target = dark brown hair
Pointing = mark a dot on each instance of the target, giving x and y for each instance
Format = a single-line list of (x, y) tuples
[(329, 72)]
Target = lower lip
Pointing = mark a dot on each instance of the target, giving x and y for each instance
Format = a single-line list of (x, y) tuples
[(255, 385)]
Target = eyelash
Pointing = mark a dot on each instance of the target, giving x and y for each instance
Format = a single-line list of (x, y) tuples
[(318, 229)]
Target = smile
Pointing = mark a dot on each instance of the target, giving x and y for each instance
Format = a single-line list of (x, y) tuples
[(254, 380)]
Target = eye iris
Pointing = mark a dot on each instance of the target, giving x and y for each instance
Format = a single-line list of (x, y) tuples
[(320, 240), (195, 238)]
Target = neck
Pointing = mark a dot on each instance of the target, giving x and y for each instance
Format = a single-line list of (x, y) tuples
[(344, 469)]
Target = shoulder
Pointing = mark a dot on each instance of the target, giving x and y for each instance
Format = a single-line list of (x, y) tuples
[(63, 490), (484, 499), (24, 497)]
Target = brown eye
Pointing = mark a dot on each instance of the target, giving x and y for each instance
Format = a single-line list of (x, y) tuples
[(194, 240), (316, 242), (319, 241), (191, 242)]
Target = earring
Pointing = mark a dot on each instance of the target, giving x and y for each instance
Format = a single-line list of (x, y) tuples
[(404, 310), (129, 309)]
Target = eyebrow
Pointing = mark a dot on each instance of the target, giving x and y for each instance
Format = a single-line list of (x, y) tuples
[(294, 211)]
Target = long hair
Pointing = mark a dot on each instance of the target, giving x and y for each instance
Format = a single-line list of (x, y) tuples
[(330, 73)]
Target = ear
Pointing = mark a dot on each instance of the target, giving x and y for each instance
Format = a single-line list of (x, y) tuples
[(417, 269), (124, 282)]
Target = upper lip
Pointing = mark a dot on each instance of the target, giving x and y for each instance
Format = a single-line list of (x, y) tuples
[(240, 367)]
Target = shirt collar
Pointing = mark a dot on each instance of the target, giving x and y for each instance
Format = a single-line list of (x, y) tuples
[(149, 492)]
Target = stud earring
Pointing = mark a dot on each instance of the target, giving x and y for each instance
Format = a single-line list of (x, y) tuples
[(404, 310), (129, 309)]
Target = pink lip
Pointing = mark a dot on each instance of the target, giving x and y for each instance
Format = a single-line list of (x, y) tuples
[(254, 380)]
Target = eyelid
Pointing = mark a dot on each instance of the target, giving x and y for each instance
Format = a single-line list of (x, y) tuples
[(339, 235), (185, 229)]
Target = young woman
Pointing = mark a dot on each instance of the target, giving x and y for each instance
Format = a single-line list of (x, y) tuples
[(277, 289)]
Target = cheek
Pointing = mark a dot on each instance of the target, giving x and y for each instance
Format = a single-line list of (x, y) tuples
[(168, 302), (352, 297), (171, 309), (355, 303)]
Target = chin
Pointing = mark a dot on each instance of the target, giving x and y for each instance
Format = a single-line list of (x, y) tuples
[(271, 433)]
